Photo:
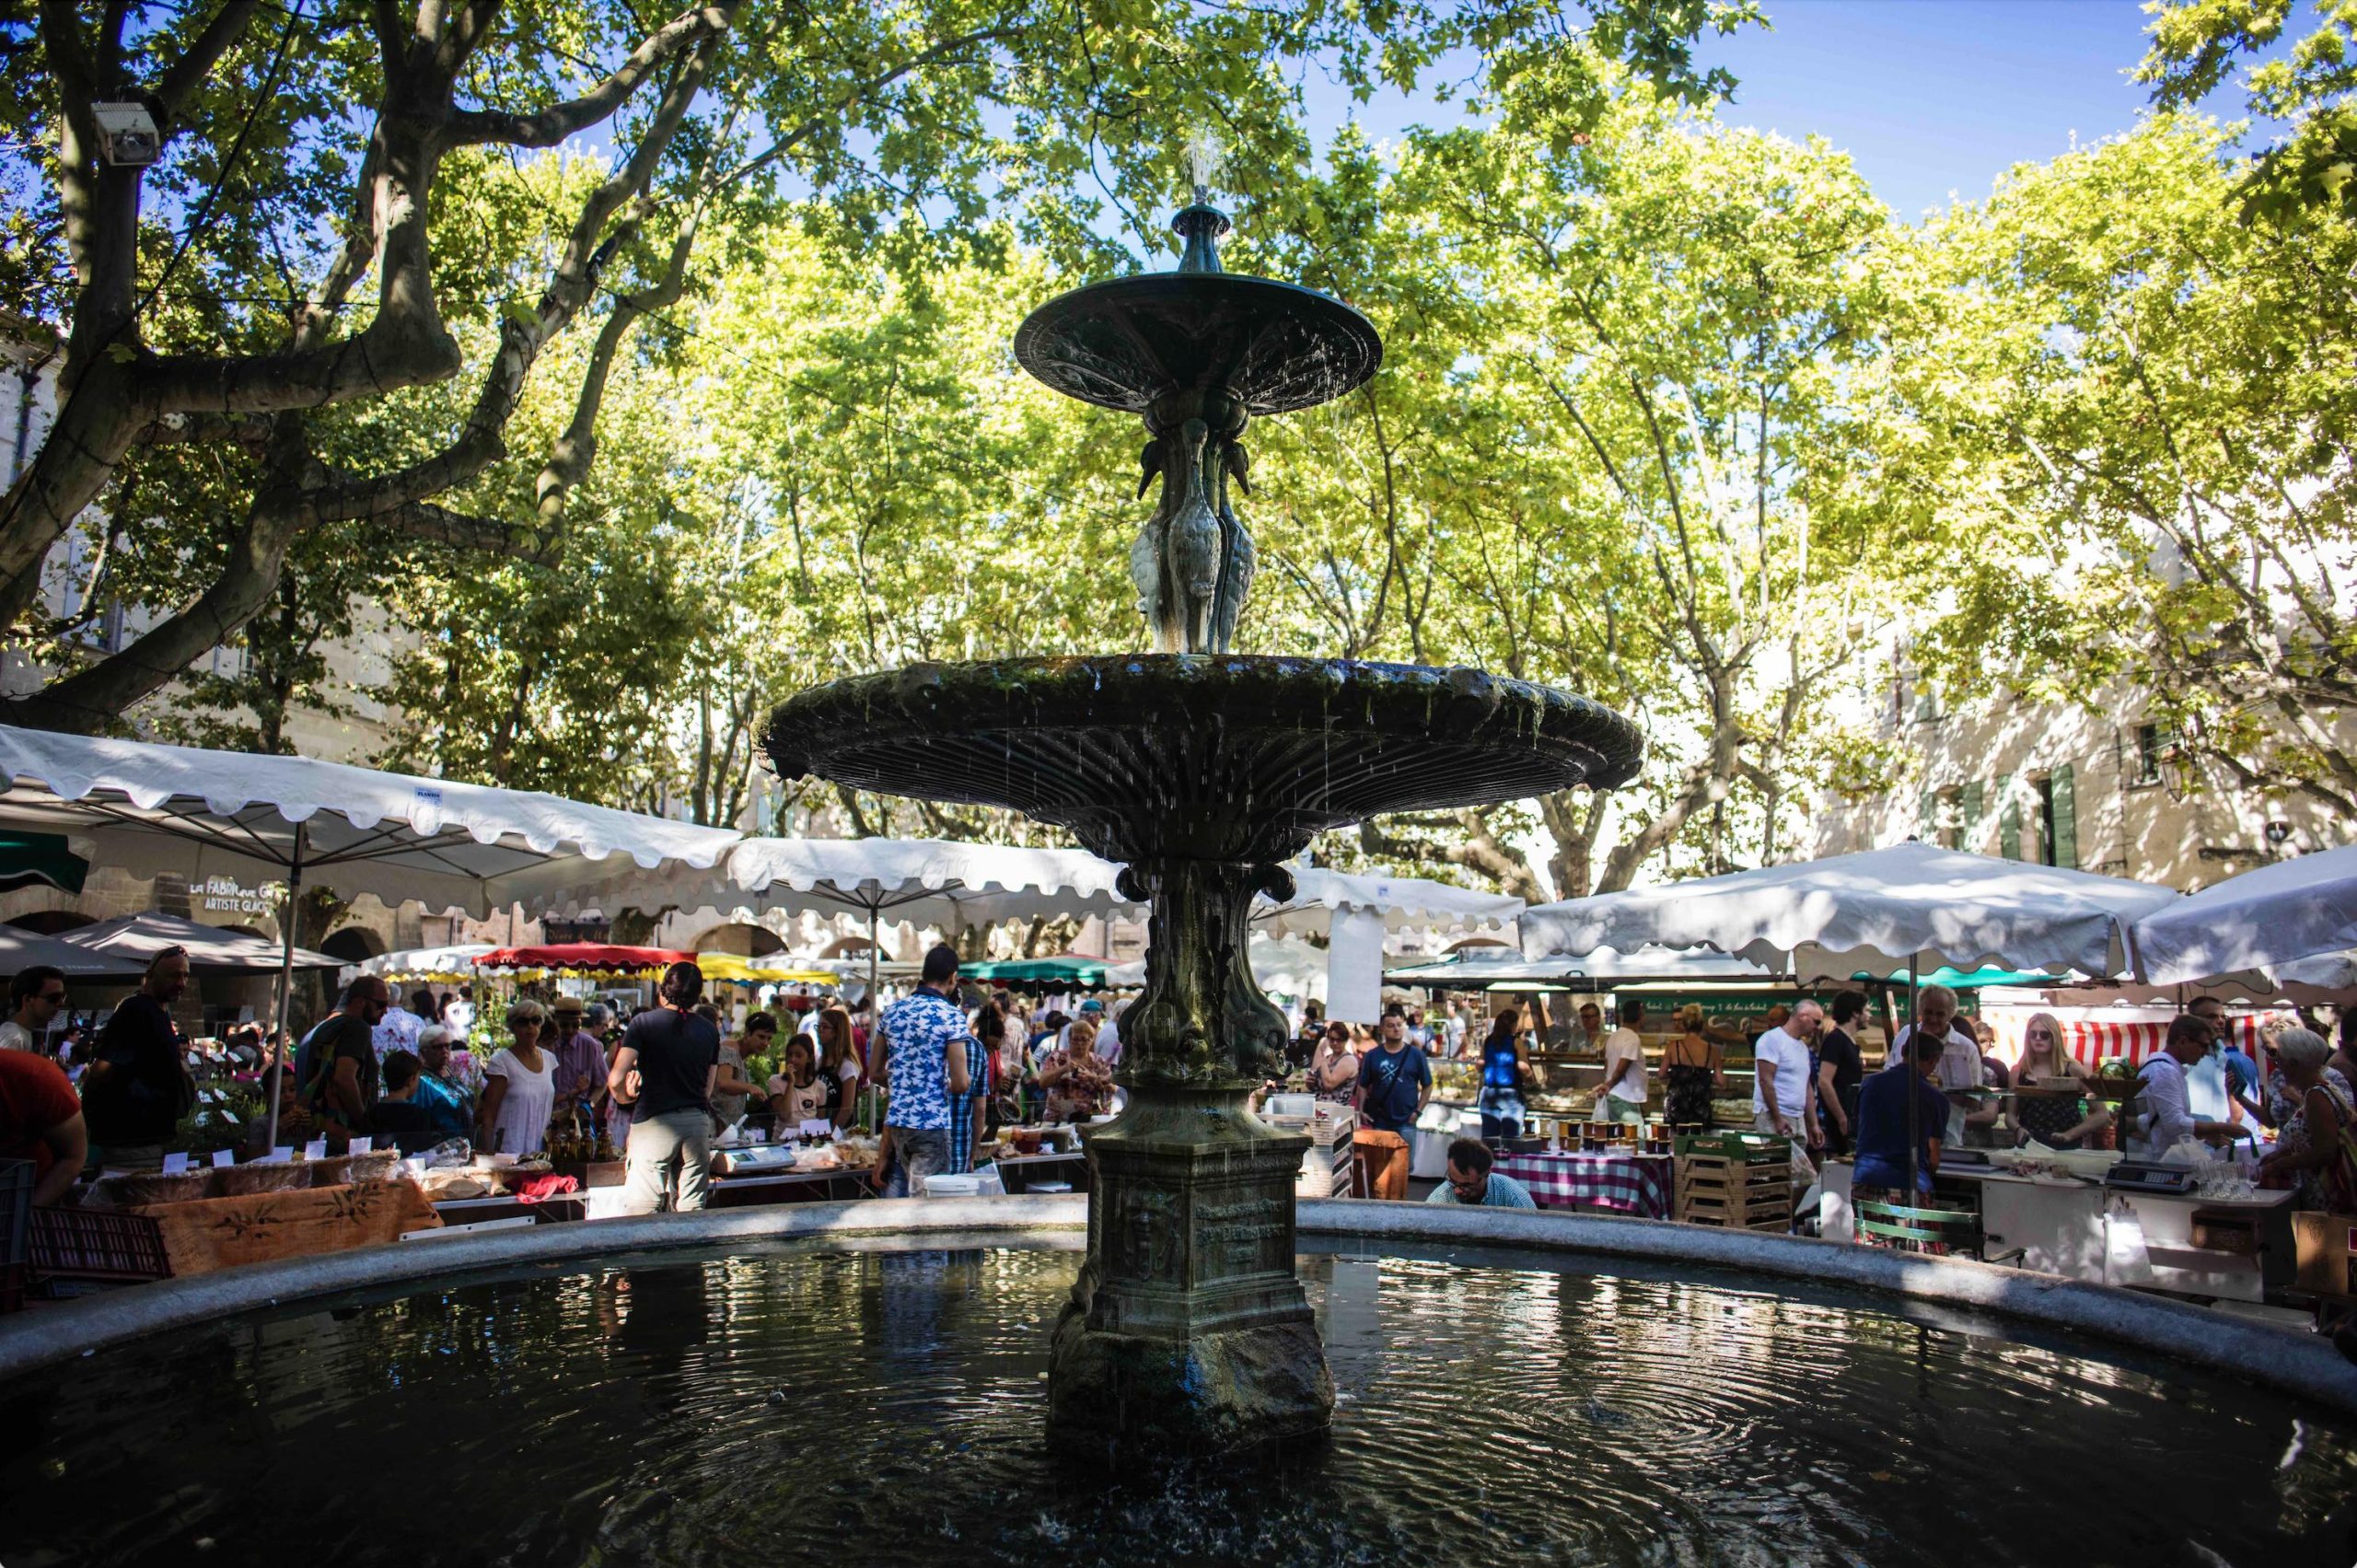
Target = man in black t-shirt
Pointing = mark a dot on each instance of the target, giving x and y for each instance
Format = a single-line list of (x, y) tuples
[(664, 1072), (138, 1088), (1839, 1070), (337, 1062)]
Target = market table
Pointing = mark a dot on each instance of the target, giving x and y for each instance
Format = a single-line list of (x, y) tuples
[(1641, 1185), (1018, 1172)]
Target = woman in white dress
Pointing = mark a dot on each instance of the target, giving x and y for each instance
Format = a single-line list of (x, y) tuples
[(519, 1088)]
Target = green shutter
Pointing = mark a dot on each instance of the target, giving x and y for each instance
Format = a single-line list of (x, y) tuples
[(2066, 818), (2009, 819), (1930, 831), (1969, 804)]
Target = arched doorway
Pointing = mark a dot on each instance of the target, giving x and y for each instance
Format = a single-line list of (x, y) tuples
[(49, 922), (739, 937), (853, 948), (352, 943)]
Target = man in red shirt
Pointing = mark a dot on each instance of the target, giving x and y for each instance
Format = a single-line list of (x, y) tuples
[(40, 1121)]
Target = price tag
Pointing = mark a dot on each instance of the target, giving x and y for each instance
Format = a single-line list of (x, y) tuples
[(363, 1146), (317, 1149), (175, 1165), (818, 1127), (222, 1159), (282, 1155)]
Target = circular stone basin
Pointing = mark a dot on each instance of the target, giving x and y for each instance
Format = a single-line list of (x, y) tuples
[(785, 1403), (1260, 753)]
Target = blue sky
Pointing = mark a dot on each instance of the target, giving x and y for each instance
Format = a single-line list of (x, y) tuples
[(1934, 99)]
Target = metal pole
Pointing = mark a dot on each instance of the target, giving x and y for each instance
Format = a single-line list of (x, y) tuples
[(1907, 1069), (285, 985)]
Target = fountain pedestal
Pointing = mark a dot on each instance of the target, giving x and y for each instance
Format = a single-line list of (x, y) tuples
[(1188, 1330)]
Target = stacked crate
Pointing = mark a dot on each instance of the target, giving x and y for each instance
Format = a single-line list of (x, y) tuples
[(1735, 1181)]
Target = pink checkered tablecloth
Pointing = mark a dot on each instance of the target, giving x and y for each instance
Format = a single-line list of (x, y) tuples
[(1641, 1185)]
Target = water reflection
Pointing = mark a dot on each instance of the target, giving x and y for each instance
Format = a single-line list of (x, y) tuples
[(856, 1407)]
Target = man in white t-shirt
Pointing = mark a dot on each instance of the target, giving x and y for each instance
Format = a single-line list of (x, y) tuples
[(1780, 1101), (1624, 1066)]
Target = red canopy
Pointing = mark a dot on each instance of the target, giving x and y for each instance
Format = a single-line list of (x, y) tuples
[(580, 955)]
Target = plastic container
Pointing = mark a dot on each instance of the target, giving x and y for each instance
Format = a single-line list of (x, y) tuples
[(946, 1186)]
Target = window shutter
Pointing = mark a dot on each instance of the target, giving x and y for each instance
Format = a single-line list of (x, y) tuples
[(1968, 802), (2066, 818), (2009, 819), (1930, 830)]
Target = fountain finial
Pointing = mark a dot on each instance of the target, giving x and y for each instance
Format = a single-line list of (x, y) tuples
[(1201, 224)]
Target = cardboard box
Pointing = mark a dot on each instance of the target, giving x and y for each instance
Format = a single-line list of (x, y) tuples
[(2326, 1245)]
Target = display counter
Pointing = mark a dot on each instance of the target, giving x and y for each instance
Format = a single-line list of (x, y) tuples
[(2236, 1250)]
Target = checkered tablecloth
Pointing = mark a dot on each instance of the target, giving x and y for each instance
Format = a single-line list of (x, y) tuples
[(1641, 1185)]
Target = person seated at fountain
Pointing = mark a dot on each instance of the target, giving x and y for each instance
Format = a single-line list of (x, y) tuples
[(2162, 1113), (1883, 1100), (447, 1102), (1334, 1065), (1504, 1074), (399, 1115), (2312, 1155), (798, 1093), (2053, 1084), (837, 1065), (921, 1053), (1624, 1066), (1474, 1183), (520, 1087), (1078, 1082)]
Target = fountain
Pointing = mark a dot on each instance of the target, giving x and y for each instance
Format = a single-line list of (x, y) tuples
[(1204, 769)]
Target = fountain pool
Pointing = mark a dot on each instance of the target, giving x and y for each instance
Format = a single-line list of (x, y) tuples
[(879, 1402)]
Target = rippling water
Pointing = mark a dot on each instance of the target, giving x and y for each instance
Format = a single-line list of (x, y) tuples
[(880, 1407)]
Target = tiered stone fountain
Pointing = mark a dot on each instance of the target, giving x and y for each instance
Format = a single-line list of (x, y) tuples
[(1203, 770)]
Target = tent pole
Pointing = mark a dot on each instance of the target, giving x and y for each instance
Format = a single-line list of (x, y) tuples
[(285, 985), (1907, 1065)]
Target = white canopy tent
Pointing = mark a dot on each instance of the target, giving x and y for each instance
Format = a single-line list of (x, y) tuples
[(1603, 968), (1286, 966), (929, 881), (152, 808), (2263, 920), (1404, 903), (137, 938), (455, 962), (1910, 906)]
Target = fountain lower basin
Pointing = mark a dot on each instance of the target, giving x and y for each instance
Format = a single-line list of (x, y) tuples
[(804, 1385)]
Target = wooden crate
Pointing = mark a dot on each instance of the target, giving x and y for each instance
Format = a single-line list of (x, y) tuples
[(1740, 1194)]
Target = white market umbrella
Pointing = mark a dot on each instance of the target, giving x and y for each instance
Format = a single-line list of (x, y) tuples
[(1910, 906), (152, 810), (1404, 903), (929, 881), (1604, 966), (453, 962), (137, 938), (2301, 911)]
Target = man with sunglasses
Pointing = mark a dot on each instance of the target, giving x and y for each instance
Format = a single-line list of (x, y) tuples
[(337, 1062), (34, 997), (1472, 1183)]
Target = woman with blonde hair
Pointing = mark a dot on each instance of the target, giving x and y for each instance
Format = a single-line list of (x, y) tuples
[(2048, 1085), (1078, 1081), (2316, 1149), (839, 1066), (1692, 1069)]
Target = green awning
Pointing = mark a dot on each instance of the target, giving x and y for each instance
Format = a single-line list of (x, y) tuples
[(1063, 969), (31, 859)]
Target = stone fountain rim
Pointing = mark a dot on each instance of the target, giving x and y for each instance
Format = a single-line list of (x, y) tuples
[(2301, 1366)]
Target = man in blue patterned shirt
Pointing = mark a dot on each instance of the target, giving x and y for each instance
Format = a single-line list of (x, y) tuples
[(923, 1044)]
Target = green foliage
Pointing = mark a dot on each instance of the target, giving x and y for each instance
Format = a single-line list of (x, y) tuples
[(2312, 88)]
